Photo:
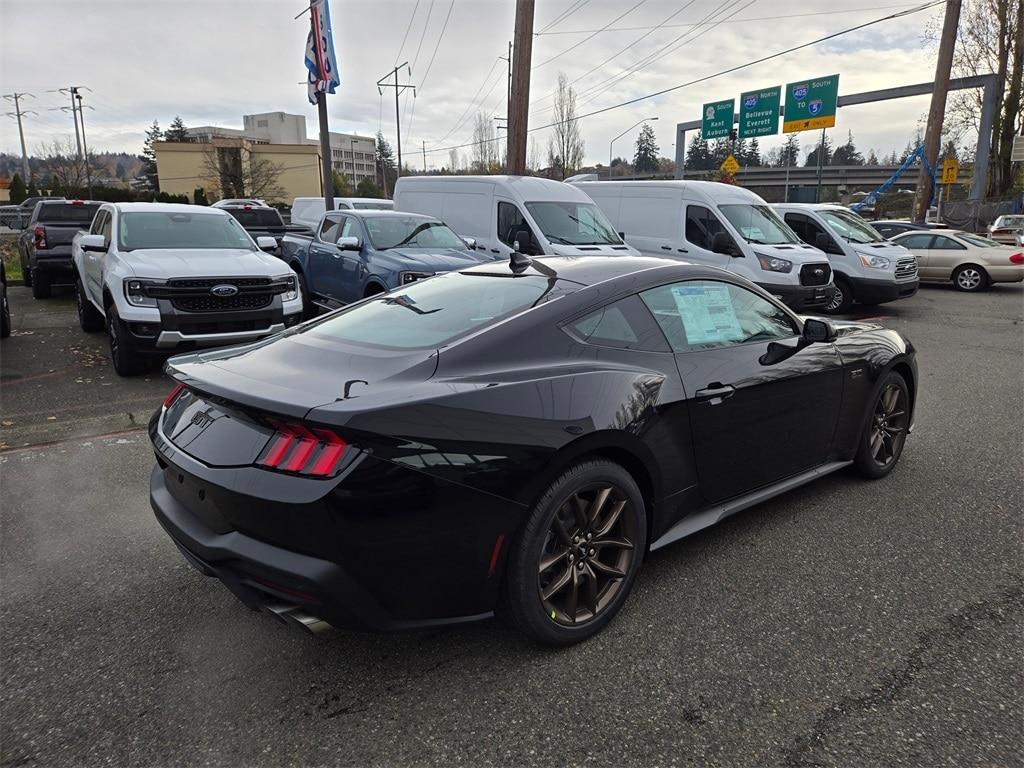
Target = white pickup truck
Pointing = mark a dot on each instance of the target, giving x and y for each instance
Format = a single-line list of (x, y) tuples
[(162, 277)]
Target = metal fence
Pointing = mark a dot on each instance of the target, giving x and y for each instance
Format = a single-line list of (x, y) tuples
[(12, 218), (976, 215)]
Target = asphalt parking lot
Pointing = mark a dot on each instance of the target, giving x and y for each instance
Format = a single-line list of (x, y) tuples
[(848, 623)]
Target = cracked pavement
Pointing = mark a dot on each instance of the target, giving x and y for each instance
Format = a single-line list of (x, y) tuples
[(849, 623)]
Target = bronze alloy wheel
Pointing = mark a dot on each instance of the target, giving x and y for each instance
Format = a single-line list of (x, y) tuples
[(587, 553), (889, 424)]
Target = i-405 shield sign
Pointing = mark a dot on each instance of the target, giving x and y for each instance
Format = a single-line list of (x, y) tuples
[(759, 112), (811, 104)]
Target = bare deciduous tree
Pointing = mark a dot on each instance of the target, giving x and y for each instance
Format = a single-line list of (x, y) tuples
[(485, 146), (66, 171), (565, 149), (237, 172)]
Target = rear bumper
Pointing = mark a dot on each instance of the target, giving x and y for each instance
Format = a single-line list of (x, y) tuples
[(382, 548), (56, 263), (1006, 274), (801, 297), (867, 291)]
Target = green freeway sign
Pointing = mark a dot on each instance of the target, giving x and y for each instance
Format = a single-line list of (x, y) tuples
[(759, 112), (717, 119), (811, 104)]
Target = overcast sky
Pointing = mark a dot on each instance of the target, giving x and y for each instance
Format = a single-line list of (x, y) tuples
[(211, 61)]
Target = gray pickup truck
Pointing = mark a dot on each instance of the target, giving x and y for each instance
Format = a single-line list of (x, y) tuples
[(45, 244)]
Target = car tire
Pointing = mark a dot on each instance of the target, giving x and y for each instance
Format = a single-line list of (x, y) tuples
[(26, 275), (582, 545), (885, 428), (89, 318), (40, 284), (123, 357), (5, 316), (308, 307), (842, 299), (971, 278)]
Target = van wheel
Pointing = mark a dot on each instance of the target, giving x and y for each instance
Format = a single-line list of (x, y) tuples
[(842, 299), (372, 290)]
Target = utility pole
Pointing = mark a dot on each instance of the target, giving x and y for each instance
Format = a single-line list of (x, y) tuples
[(933, 128), (519, 102), (17, 113), (821, 162), (85, 147), (398, 89), (71, 91)]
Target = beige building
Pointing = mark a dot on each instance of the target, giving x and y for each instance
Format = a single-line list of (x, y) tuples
[(237, 167)]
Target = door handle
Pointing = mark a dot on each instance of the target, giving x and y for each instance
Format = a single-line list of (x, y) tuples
[(715, 393), (495, 250), (666, 247)]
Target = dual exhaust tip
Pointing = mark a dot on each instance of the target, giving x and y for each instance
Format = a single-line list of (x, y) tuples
[(294, 615)]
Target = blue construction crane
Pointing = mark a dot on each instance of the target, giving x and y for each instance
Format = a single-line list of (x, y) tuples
[(887, 184)]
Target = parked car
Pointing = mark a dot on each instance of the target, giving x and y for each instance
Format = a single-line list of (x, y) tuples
[(971, 262), (355, 254), (720, 225), (307, 211), (889, 228), (5, 307), (1007, 229), (261, 221), (231, 202), (866, 267), (511, 439), (162, 276), (44, 247), (544, 216), (16, 216)]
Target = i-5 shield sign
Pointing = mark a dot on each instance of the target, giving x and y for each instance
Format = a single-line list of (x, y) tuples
[(716, 119), (759, 112), (811, 104)]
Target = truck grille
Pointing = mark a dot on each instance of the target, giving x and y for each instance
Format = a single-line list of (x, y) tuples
[(815, 274), (906, 268), (194, 295), (210, 303)]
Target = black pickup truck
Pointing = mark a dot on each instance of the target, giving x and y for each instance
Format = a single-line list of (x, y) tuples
[(261, 221), (45, 244)]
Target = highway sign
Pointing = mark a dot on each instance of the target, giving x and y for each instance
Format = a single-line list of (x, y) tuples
[(716, 120), (950, 170), (729, 165), (759, 112), (811, 104)]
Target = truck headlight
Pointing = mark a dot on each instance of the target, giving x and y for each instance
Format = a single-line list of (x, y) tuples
[(877, 262), (136, 292), (412, 277), (774, 263), (291, 291)]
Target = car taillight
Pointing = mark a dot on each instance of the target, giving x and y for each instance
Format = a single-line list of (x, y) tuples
[(306, 451), (169, 400), (1017, 258), (40, 235), (78, 202)]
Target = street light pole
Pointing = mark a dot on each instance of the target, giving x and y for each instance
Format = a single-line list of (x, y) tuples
[(610, 143)]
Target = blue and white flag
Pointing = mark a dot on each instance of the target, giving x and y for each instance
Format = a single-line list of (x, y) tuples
[(320, 59)]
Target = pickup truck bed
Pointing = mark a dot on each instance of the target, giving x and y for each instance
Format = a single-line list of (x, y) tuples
[(263, 222)]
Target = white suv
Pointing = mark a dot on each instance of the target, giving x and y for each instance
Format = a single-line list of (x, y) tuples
[(164, 277)]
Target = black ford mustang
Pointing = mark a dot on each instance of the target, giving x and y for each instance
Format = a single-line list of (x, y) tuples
[(510, 438)]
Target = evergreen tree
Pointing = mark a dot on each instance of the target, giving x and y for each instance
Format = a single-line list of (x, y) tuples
[(948, 151), (825, 148), (199, 197), (32, 191), (367, 188), (18, 191), (342, 187), (148, 156), (847, 154), (645, 159), (698, 157), (177, 132), (789, 155), (385, 157), (872, 157), (752, 158)]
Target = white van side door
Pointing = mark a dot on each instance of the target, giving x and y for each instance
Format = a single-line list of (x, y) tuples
[(508, 219), (700, 225)]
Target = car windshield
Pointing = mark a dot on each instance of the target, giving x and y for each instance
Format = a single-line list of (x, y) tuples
[(978, 240), (410, 232), (180, 229), (432, 312), (573, 223), (851, 227), (758, 224), (68, 213)]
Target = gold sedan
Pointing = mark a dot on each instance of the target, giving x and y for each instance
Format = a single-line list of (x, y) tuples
[(970, 262)]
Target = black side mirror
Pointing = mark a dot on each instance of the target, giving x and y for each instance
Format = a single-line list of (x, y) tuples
[(816, 330), (824, 242), (523, 242), (722, 243)]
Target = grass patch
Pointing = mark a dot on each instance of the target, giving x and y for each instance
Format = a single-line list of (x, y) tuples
[(9, 254)]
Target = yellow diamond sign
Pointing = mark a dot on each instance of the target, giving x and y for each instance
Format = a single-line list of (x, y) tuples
[(729, 165)]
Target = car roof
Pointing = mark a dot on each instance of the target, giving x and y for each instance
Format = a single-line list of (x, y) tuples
[(715, 190), (168, 208), (590, 270), (531, 188), (383, 213), (68, 201)]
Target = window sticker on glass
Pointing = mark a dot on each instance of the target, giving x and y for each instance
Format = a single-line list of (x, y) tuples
[(708, 314)]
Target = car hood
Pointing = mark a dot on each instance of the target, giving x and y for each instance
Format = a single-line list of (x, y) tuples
[(197, 262), (560, 249), (886, 249), (430, 260)]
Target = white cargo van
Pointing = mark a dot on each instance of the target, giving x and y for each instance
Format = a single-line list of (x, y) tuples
[(868, 268), (544, 216), (717, 224), (307, 211)]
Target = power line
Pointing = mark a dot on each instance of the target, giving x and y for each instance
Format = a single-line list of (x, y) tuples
[(581, 42), (573, 7), (472, 101), (722, 72), (408, 27), (430, 64), (733, 21)]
